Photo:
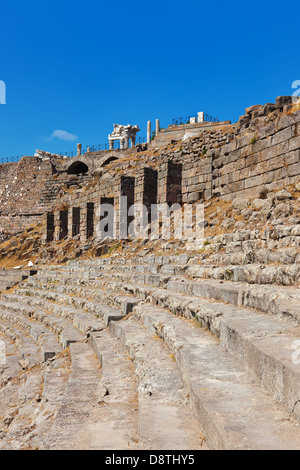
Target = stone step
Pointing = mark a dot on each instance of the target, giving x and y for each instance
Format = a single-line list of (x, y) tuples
[(32, 399), (59, 325), (280, 274), (10, 366), (218, 317), (39, 333), (245, 239), (165, 417), (280, 301), (68, 291), (227, 401), (113, 425), (29, 354), (80, 396), (16, 274), (287, 256), (245, 333), (286, 275), (10, 277), (263, 344), (251, 273), (18, 404), (55, 375), (6, 284), (97, 307)]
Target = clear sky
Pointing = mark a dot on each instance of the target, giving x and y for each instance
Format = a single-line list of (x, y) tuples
[(72, 68)]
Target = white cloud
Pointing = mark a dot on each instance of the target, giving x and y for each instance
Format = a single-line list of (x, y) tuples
[(63, 135)]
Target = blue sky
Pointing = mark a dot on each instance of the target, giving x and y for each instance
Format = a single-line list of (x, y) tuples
[(79, 67)]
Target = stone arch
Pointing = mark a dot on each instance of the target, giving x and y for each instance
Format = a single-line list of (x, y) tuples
[(77, 168), (109, 160)]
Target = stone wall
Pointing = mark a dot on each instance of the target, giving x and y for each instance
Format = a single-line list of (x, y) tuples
[(32, 185), (20, 190), (268, 157), (261, 152)]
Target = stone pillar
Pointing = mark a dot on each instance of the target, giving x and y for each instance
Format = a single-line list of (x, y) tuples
[(157, 127), (169, 183), (145, 191), (79, 149), (122, 143), (56, 225), (148, 132), (201, 116), (127, 142), (132, 141), (88, 149), (111, 145)]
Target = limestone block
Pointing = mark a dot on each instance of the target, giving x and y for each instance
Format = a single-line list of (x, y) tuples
[(294, 169), (283, 195), (282, 136), (261, 204), (266, 131), (240, 203)]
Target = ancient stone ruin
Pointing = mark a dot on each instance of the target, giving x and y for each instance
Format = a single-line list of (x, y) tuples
[(117, 331), (123, 134)]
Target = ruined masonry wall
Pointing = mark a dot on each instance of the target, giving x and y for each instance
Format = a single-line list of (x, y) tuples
[(267, 157), (261, 150), (21, 186)]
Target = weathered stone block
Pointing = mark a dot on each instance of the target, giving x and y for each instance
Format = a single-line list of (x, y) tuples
[(282, 136)]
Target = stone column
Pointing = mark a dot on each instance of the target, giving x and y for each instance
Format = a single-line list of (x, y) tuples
[(79, 149), (157, 127), (201, 116), (111, 145), (127, 142), (132, 141), (121, 143), (148, 132)]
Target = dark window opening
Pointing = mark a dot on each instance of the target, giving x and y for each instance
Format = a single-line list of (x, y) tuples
[(107, 217), (127, 200), (150, 192), (63, 224), (75, 221), (50, 227), (90, 220)]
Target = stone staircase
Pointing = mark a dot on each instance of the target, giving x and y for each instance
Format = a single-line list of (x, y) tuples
[(11, 277), (53, 187), (154, 352)]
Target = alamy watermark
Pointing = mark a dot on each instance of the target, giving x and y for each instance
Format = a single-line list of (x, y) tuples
[(296, 94), (158, 221), (2, 92), (2, 354)]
